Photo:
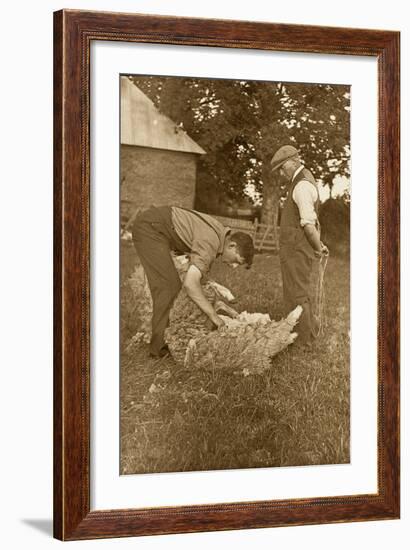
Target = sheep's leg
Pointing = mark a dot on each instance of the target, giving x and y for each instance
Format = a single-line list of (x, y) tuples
[(221, 307), (222, 291)]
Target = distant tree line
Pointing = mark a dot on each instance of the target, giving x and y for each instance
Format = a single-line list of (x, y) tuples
[(335, 224)]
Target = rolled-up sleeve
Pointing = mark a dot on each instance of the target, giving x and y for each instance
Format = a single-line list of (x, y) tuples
[(204, 251), (305, 196)]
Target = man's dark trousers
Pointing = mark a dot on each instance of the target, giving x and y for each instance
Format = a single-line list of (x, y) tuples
[(297, 260), (154, 237), (297, 269)]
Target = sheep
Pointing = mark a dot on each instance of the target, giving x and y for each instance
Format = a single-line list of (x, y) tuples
[(246, 342), (187, 320), (137, 283)]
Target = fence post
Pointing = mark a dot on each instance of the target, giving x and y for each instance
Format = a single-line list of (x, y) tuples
[(275, 234), (255, 230), (268, 228)]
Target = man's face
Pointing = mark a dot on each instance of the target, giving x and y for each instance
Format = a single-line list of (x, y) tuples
[(286, 170), (231, 255)]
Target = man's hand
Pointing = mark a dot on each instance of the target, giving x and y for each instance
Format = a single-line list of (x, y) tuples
[(217, 321), (313, 236), (214, 323), (324, 251)]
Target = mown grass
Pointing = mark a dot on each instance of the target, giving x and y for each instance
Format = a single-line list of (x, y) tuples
[(297, 413)]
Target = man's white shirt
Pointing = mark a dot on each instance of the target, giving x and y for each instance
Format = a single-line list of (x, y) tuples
[(305, 196)]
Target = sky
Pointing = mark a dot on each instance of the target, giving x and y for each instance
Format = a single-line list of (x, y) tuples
[(341, 183)]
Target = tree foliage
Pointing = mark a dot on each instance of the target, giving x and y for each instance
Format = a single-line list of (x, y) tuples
[(335, 224), (240, 124)]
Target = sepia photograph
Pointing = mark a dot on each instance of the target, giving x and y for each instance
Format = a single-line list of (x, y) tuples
[(234, 274)]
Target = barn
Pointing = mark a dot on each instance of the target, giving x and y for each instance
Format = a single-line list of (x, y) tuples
[(158, 159)]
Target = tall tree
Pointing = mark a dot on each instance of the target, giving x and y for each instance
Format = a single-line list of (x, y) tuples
[(240, 124)]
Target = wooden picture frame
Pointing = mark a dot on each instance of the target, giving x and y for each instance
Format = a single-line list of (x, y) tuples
[(74, 32)]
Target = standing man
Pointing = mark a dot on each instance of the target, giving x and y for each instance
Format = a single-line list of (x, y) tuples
[(299, 240), (158, 231)]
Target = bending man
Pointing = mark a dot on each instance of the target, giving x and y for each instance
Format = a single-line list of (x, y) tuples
[(158, 231)]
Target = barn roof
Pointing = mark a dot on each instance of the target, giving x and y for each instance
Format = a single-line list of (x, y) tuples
[(142, 123)]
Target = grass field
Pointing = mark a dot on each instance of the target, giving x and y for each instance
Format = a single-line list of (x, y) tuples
[(297, 413)]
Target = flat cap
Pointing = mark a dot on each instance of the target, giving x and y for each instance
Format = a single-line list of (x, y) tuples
[(283, 154)]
